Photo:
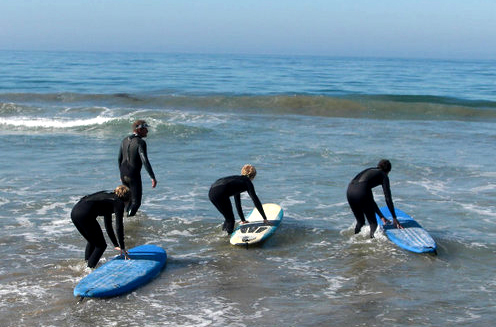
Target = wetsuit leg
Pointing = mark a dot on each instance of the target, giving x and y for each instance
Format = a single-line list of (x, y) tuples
[(89, 250), (362, 204), (135, 186), (86, 223), (359, 216), (370, 214), (355, 195), (223, 204)]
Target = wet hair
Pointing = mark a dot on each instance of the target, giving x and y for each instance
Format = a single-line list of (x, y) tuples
[(123, 193), (249, 171), (384, 165), (139, 124)]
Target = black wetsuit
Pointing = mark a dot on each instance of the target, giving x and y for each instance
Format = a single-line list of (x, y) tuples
[(84, 216), (225, 187), (132, 156), (361, 199)]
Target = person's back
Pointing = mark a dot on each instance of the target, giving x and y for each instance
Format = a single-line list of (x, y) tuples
[(232, 185), (132, 156), (370, 177), (130, 159)]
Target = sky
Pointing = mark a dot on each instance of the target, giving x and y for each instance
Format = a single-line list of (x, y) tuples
[(451, 29)]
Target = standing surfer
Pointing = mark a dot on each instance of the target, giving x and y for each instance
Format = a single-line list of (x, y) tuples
[(104, 204), (361, 199), (222, 189), (132, 156)]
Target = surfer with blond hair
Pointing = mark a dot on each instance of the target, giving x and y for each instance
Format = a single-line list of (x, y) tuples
[(103, 203), (223, 188)]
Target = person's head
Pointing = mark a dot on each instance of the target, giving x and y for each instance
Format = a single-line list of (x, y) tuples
[(123, 193), (249, 171), (140, 127), (384, 165)]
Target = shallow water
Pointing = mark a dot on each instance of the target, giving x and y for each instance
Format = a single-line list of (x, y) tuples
[(313, 271)]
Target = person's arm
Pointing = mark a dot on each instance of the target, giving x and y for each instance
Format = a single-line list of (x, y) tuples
[(256, 201), (237, 201), (389, 200), (144, 159), (107, 219), (119, 157), (119, 225), (380, 214)]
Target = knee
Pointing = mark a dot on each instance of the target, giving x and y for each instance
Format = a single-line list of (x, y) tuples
[(100, 247)]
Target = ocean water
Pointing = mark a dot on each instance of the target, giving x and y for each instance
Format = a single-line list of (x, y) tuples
[(308, 124)]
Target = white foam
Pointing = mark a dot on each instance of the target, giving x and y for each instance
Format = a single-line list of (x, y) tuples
[(53, 122), (203, 120), (290, 202), (180, 233), (46, 208), (22, 292), (484, 211), (483, 188), (4, 201), (432, 186)]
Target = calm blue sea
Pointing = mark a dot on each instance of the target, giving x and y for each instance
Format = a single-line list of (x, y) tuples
[(309, 125)]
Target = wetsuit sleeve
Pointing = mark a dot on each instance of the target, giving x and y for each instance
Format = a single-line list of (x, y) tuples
[(256, 200), (119, 223), (144, 159), (119, 157), (237, 201), (378, 211), (387, 195), (110, 230)]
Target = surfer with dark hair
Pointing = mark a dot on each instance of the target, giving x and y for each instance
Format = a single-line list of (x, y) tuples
[(222, 189), (104, 204), (361, 199), (132, 156)]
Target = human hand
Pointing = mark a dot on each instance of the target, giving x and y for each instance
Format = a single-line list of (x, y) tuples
[(154, 183), (397, 223), (123, 252), (385, 221)]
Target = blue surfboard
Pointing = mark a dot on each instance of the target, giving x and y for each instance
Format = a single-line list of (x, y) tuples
[(412, 237), (119, 276), (255, 231)]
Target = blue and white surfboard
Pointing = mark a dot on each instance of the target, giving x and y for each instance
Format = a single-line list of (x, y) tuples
[(412, 237), (119, 276), (255, 231)]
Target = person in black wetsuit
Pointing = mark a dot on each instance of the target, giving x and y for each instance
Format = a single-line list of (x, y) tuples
[(132, 156), (222, 189), (84, 215), (361, 199)]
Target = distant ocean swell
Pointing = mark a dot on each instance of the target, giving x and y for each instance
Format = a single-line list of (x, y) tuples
[(106, 106)]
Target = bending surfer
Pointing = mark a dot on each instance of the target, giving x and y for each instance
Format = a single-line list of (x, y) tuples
[(104, 204), (132, 156), (361, 199), (222, 189)]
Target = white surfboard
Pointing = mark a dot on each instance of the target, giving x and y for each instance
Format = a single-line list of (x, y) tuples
[(255, 231)]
